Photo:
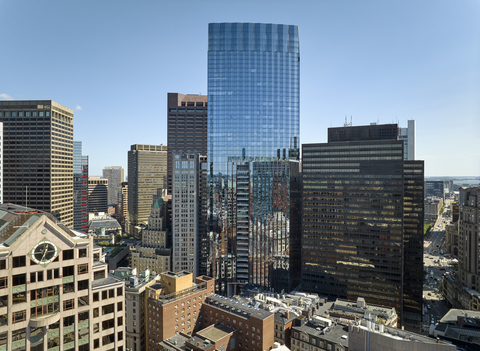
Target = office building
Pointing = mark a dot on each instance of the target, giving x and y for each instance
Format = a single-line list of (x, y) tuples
[(189, 215), (135, 285), (147, 170), (38, 156), (121, 212), (173, 305), (55, 289), (253, 121), (115, 176), (187, 126), (435, 188), (363, 220), (469, 237), (80, 188), (97, 195), (408, 136)]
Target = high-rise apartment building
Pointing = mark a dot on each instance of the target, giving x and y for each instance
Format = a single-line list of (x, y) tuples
[(80, 188), (97, 194), (253, 131), (189, 217), (469, 237), (187, 126), (147, 171), (38, 156), (55, 289), (115, 176), (408, 137), (363, 219)]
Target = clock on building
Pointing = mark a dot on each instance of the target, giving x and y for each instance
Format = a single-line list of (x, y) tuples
[(44, 252)]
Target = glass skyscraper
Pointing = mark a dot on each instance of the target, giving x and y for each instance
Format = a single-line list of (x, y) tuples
[(253, 132)]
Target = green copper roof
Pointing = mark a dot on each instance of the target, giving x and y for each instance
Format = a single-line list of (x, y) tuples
[(158, 203)]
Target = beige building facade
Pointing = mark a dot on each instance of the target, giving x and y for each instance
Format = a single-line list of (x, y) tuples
[(55, 291)]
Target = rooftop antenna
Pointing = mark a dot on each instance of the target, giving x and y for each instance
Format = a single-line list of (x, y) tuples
[(346, 124)]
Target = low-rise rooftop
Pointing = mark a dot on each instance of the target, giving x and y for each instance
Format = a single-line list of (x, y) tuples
[(240, 309)]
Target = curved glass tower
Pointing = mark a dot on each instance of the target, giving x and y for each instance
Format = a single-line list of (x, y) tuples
[(253, 117)]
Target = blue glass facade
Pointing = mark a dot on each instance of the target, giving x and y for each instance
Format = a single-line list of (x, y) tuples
[(253, 116)]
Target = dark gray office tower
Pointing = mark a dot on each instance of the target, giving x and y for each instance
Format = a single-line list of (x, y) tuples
[(187, 127), (435, 188), (38, 156), (363, 220), (80, 188), (97, 195)]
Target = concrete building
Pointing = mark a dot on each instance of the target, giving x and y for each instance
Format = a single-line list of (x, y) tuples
[(156, 232), (359, 197), (104, 228), (173, 305), (97, 195), (310, 335), (380, 338), (283, 321), (155, 259), (38, 156), (432, 206), (451, 239), (122, 209), (189, 212), (135, 309), (80, 188), (115, 176), (408, 137), (147, 169), (186, 126), (469, 237), (55, 291), (435, 188)]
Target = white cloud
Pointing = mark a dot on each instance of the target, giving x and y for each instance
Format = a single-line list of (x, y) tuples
[(79, 108), (5, 97)]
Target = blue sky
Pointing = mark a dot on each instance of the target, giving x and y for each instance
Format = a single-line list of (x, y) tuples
[(114, 62)]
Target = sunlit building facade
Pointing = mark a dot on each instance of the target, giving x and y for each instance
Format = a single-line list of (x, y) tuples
[(253, 131)]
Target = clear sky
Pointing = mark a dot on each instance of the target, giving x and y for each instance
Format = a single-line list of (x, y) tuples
[(114, 62)]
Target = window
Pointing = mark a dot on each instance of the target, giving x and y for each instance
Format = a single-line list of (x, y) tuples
[(83, 284), (68, 271), (49, 274), (3, 264), (108, 309), (120, 336), (108, 339), (68, 304), (18, 261), (68, 255), (111, 293), (82, 253), (95, 297), (120, 292), (19, 316), (95, 312), (119, 306), (33, 277), (83, 268), (56, 273), (96, 327), (96, 343), (19, 279), (40, 276), (104, 295), (108, 324), (120, 321)]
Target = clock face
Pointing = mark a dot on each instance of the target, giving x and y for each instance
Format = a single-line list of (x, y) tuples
[(44, 252)]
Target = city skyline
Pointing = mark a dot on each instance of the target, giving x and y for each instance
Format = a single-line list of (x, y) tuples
[(375, 61)]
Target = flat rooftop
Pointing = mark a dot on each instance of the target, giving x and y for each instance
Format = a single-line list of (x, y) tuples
[(233, 306), (215, 333)]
